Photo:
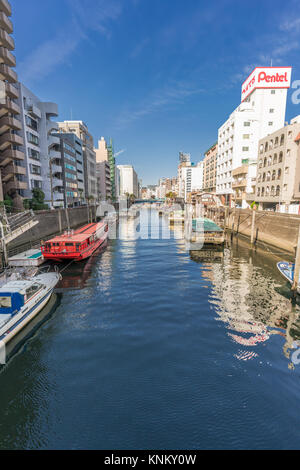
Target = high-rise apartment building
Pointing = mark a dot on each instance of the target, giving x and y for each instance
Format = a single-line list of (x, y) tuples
[(41, 147), (76, 144), (278, 173), (261, 112), (104, 181), (80, 129), (106, 171), (128, 180), (12, 166), (210, 169)]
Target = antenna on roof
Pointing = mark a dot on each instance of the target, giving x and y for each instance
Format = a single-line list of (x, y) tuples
[(271, 62)]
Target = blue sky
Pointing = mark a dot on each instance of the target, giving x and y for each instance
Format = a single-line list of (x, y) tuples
[(159, 76)]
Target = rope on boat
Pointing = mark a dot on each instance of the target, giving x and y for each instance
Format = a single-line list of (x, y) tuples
[(65, 267)]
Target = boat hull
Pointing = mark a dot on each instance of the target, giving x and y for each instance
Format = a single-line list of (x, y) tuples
[(286, 269), (80, 256), (21, 320)]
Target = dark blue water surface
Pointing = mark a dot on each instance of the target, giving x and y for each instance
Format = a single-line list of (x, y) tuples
[(156, 347)]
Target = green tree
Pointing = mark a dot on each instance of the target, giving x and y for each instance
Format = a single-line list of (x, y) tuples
[(38, 200)]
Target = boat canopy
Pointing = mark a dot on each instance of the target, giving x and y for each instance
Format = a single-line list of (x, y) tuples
[(206, 225), (10, 302)]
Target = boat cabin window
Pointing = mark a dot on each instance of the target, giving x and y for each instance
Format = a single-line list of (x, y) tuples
[(78, 246), (30, 291), (5, 302), (69, 244)]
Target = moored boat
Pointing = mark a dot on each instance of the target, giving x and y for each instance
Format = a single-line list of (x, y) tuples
[(287, 270), (20, 302), (207, 231), (76, 244)]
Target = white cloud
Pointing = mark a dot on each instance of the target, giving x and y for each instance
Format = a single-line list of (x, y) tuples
[(170, 95)]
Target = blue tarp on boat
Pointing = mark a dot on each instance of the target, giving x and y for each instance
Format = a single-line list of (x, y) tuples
[(206, 225)]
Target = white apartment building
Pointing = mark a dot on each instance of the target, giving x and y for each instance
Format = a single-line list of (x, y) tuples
[(261, 112), (128, 180), (40, 147), (190, 178)]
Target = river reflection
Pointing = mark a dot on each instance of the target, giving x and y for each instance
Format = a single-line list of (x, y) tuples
[(250, 297), (155, 347)]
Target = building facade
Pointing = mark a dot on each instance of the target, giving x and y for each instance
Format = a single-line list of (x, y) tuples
[(106, 171), (128, 181), (77, 145), (41, 147), (13, 181), (80, 129), (278, 175), (261, 112), (210, 169), (104, 181)]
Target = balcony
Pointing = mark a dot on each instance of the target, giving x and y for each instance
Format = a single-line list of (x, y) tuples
[(6, 73), (52, 126), (10, 138), (7, 57), (52, 141), (14, 185), (57, 183), (239, 183), (6, 40), (7, 123), (11, 91), (9, 155), (5, 23), (34, 111), (10, 170), (5, 7), (56, 169), (11, 106), (242, 170)]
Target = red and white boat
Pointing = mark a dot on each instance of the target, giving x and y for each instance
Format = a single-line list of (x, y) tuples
[(76, 244)]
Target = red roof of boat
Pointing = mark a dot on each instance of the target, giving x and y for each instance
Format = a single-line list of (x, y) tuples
[(78, 235)]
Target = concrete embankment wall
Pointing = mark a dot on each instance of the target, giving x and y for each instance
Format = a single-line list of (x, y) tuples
[(53, 222), (272, 228)]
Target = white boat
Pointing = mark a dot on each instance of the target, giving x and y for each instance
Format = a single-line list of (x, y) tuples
[(20, 302), (287, 270)]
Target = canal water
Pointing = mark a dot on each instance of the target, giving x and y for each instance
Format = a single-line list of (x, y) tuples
[(151, 346)]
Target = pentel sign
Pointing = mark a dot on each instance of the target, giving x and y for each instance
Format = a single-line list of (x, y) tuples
[(267, 77)]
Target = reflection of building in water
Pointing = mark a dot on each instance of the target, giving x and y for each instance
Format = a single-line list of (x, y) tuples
[(245, 299)]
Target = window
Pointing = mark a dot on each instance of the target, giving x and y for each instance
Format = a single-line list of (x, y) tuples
[(271, 111), (246, 124), (31, 123), (70, 167), (69, 148), (246, 136), (35, 169), (30, 291), (272, 92), (245, 149), (34, 154), (33, 139), (270, 123), (5, 302)]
